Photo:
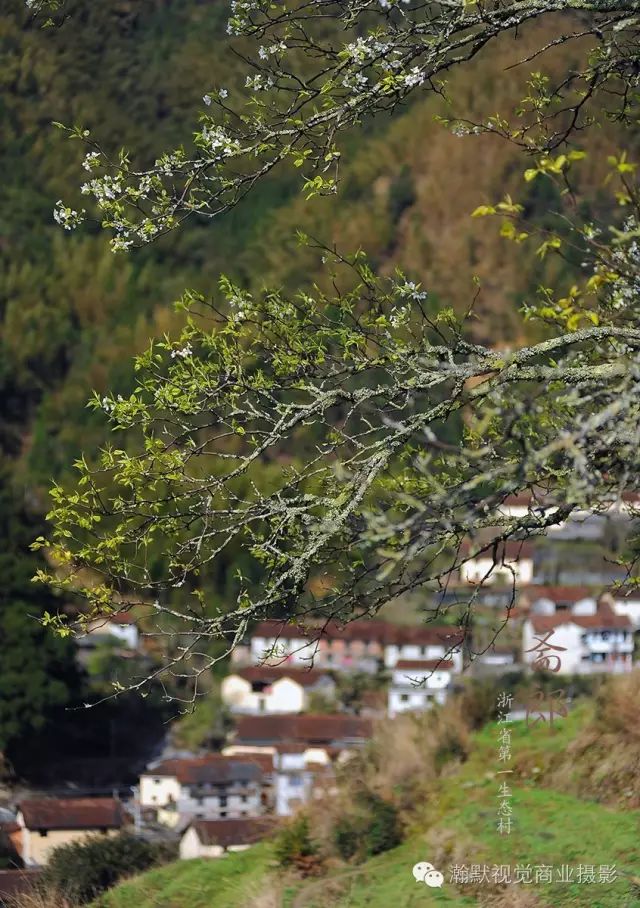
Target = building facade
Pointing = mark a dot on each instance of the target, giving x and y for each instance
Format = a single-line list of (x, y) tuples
[(46, 823)]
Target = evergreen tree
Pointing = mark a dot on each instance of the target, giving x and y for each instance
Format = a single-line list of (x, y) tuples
[(37, 669)]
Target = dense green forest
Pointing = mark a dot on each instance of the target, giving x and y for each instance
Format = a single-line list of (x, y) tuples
[(72, 314)]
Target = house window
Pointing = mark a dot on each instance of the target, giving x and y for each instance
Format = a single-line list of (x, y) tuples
[(605, 635), (243, 798), (43, 833), (404, 698)]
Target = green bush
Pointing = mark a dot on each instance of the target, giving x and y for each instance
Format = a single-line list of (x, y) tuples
[(374, 828), (82, 870), (382, 830), (294, 846)]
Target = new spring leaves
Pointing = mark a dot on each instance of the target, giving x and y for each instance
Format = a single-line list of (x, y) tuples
[(424, 872)]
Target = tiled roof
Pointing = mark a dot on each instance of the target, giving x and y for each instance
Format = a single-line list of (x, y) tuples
[(241, 831), (72, 813), (302, 729), (263, 760), (623, 593), (121, 618), (425, 665), (424, 634), (16, 882), (360, 630), (269, 674), (558, 593), (210, 769), (604, 618)]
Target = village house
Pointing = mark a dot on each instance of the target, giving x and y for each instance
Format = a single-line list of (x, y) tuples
[(359, 645), (46, 823), (509, 562), (593, 640), (417, 685), (215, 838), (550, 600), (214, 786), (273, 689), (120, 626), (583, 524), (15, 884), (332, 732), (494, 660), (304, 749), (425, 642), (624, 602)]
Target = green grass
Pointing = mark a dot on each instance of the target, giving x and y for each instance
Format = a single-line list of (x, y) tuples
[(456, 826), (226, 883)]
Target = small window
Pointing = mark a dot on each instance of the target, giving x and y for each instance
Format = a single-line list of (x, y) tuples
[(404, 698), (43, 833)]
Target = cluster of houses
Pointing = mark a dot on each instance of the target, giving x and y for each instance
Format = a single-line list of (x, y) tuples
[(291, 730)]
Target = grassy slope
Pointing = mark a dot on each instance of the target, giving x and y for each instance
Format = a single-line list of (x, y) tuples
[(551, 827), (195, 884)]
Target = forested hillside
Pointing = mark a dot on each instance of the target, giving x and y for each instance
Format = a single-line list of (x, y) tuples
[(72, 314)]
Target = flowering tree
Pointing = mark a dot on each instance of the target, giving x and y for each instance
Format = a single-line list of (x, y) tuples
[(319, 68), (350, 442)]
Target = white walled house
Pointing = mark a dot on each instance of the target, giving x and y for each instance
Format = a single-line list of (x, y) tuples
[(120, 626), (215, 838), (600, 642), (416, 686), (44, 824), (512, 562), (211, 787), (426, 643), (494, 659), (362, 645), (276, 643), (303, 748), (273, 689), (294, 782), (550, 600), (625, 603)]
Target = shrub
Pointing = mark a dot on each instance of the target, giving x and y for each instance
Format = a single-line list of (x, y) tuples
[(382, 830), (372, 828), (294, 846), (80, 871), (346, 839)]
